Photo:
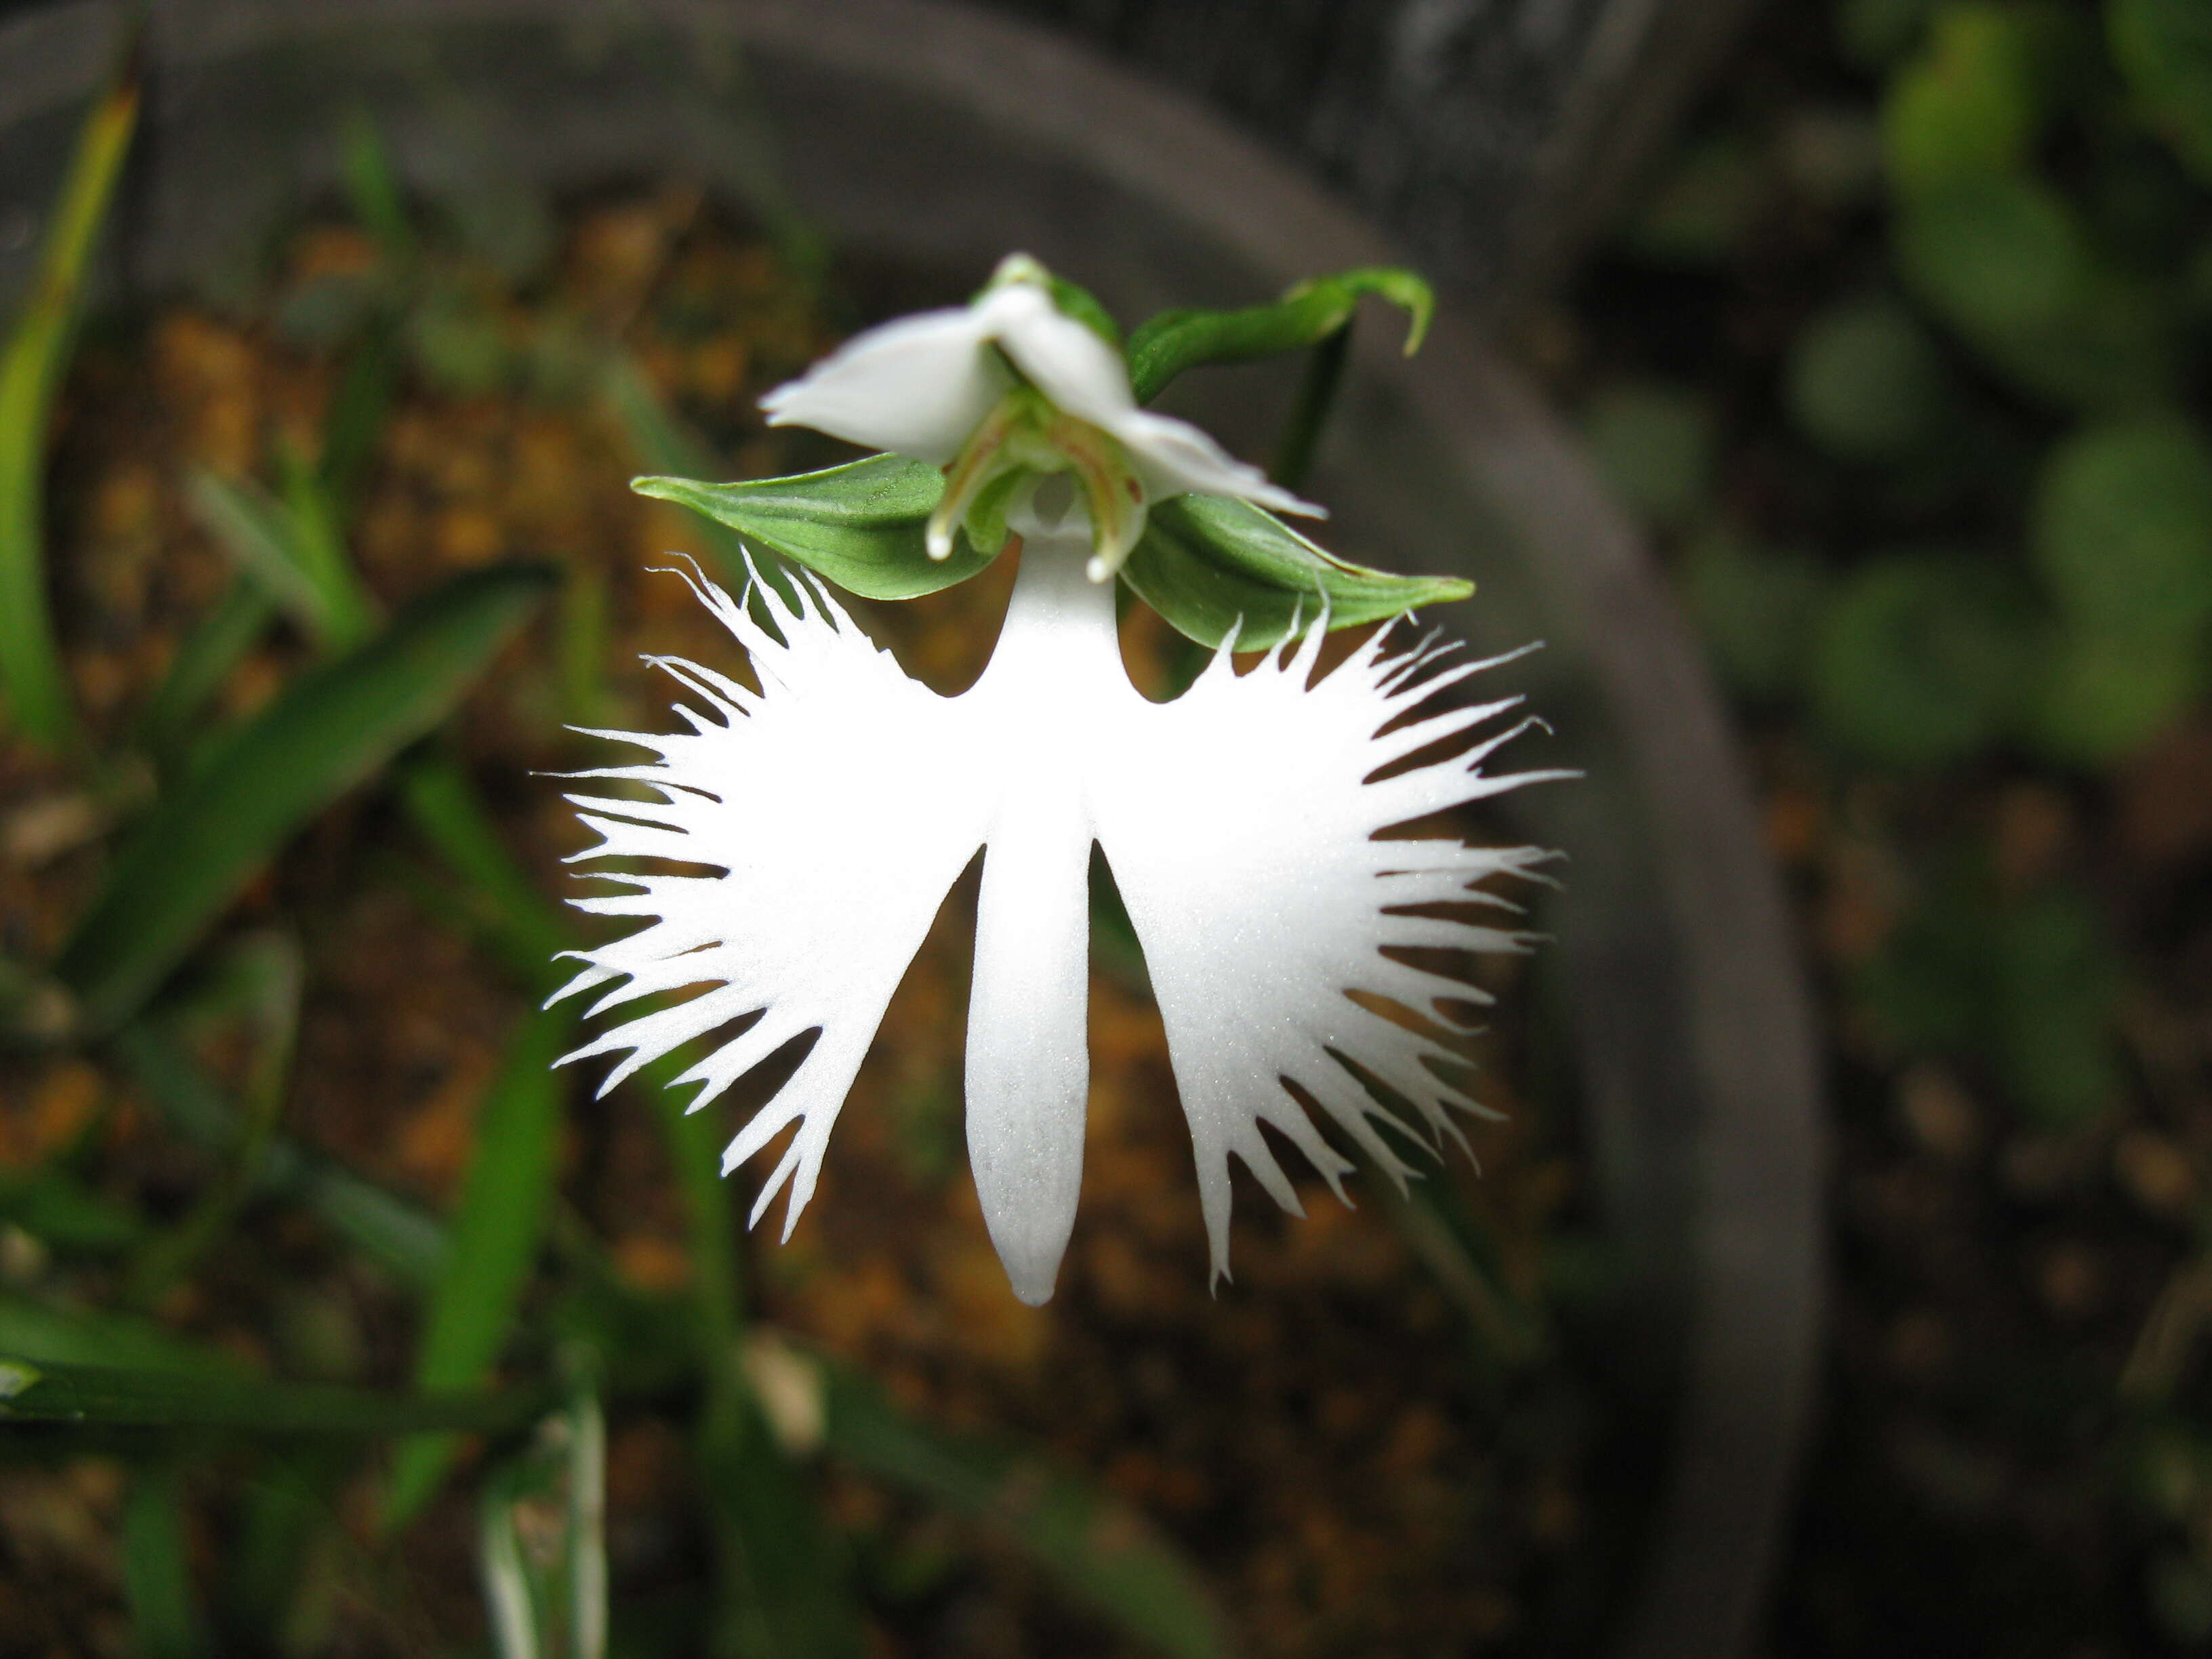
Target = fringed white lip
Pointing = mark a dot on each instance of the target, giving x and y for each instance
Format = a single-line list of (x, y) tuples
[(839, 803)]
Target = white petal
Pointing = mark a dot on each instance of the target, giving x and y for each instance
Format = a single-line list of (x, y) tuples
[(917, 386), (838, 804), (1063, 359), (1055, 677), (1028, 1062), (1174, 457), (1238, 823)]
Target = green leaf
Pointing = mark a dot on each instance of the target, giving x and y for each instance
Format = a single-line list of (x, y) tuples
[(291, 549), (1921, 658), (404, 1240), (2122, 526), (859, 525), (103, 1397), (317, 543), (30, 375), (378, 202), (2163, 47), (492, 1244), (1210, 565), (359, 405), (1099, 1550), (1866, 383), (783, 1575), (264, 975), (2055, 993), (2006, 260), (1996, 255), (528, 931), (2028, 984), (46, 1336), (1653, 443), (1967, 105), (1756, 610), (157, 1583), (1174, 341), (2101, 695), (56, 1209), (331, 729), (203, 662)]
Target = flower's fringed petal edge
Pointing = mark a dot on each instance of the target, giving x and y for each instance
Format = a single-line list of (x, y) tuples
[(1240, 827), (834, 805)]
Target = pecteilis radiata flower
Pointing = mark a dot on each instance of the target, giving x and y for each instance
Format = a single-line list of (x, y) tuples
[(834, 804)]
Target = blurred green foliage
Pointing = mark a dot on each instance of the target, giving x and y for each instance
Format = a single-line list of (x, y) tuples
[(511, 1284), (528, 1340), (1975, 565)]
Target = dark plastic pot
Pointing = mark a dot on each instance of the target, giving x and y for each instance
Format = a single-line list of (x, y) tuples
[(936, 139)]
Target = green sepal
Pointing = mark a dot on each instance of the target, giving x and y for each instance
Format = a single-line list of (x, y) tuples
[(859, 525), (1165, 345), (1212, 563), (1070, 298), (986, 522), (1074, 300)]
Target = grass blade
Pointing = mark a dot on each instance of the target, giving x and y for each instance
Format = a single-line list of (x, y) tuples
[(290, 549), (406, 1240), (378, 200), (53, 1207), (317, 545), (100, 1397), (267, 974), (331, 729), (1101, 1551), (33, 1332), (203, 662), (493, 1243), (543, 1604), (518, 920), (358, 408), (157, 1582), (662, 442), (30, 373)]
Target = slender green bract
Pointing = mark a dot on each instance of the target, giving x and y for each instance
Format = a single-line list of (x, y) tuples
[(95, 1397), (860, 526), (30, 664), (1175, 341), (1212, 565), (331, 728)]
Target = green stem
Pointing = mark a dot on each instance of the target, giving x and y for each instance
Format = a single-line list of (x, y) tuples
[(1301, 437)]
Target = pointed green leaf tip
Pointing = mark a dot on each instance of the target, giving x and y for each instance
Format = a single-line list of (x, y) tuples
[(1175, 341), (863, 525), (1210, 565)]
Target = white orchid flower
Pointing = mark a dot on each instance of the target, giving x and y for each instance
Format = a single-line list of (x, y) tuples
[(1011, 385), (836, 804)]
